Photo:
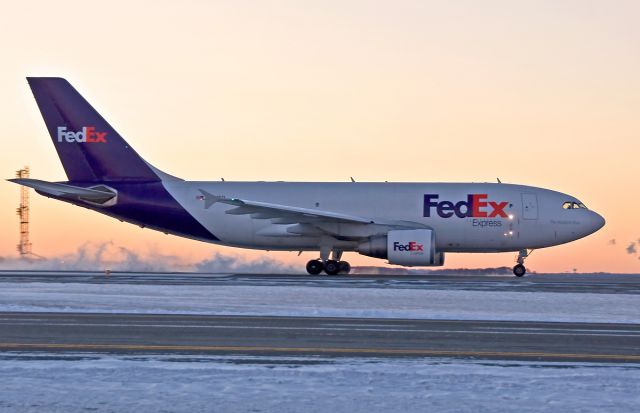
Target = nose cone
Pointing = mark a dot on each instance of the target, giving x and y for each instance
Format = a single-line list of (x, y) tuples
[(597, 221)]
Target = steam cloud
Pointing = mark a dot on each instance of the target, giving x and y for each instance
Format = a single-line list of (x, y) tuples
[(631, 249), (107, 255), (227, 263)]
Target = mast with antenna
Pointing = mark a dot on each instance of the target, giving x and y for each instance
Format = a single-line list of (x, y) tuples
[(24, 247)]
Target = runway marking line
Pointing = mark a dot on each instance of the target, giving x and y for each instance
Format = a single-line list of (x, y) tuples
[(349, 327), (324, 350)]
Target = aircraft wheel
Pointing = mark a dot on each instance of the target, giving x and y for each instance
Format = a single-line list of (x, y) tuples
[(345, 267), (331, 267), (314, 267), (519, 270)]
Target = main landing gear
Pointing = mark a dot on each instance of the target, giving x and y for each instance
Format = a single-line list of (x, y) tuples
[(332, 266), (519, 270)]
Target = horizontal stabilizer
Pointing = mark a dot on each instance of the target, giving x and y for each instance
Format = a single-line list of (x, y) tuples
[(100, 196)]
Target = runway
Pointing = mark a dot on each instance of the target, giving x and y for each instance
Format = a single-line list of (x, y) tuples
[(351, 337), (460, 316), (562, 283)]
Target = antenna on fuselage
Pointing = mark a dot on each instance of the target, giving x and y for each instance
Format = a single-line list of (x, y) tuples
[(499, 181)]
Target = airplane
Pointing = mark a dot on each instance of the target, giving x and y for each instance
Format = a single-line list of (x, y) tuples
[(408, 224)]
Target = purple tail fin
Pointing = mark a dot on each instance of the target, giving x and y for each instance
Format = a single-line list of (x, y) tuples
[(89, 148)]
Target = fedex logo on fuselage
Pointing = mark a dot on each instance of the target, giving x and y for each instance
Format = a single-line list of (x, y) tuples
[(88, 134), (411, 246), (476, 206)]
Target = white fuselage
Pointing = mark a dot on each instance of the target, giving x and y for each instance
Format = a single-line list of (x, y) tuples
[(529, 218)]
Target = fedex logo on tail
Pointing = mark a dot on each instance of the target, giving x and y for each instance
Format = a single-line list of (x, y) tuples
[(88, 134), (476, 206)]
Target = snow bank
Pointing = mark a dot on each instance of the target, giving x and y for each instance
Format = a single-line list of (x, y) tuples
[(324, 302), (70, 384)]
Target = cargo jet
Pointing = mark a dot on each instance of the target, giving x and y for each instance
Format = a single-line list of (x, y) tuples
[(408, 224)]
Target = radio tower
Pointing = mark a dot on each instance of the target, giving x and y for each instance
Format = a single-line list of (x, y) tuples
[(24, 248)]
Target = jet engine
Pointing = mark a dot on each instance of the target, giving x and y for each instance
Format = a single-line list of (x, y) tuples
[(411, 248)]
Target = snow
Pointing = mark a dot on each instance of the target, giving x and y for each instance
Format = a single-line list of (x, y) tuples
[(324, 302), (70, 383), (81, 383)]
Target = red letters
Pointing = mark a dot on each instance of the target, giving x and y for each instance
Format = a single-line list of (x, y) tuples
[(89, 134), (477, 204), (498, 209), (414, 246)]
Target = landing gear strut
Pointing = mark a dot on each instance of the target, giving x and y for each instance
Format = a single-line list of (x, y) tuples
[(519, 270)]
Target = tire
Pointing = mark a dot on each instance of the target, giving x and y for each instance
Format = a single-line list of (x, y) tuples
[(345, 267), (519, 270), (331, 267), (314, 267)]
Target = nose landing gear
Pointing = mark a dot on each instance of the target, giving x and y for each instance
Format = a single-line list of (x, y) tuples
[(519, 270)]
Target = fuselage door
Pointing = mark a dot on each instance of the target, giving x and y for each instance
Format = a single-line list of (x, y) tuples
[(529, 206)]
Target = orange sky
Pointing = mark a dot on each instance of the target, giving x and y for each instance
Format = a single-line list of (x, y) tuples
[(544, 93)]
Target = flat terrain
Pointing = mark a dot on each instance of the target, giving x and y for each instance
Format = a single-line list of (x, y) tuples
[(579, 283), (84, 341), (138, 333), (563, 317)]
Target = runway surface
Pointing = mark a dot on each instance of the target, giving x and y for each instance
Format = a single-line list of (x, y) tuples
[(352, 337), (295, 334), (563, 283)]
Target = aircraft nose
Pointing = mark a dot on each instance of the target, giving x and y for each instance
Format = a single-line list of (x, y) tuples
[(597, 221)]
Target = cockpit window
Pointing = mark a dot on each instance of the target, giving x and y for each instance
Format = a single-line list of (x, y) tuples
[(573, 205)]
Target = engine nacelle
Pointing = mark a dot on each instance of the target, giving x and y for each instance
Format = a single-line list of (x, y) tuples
[(416, 247)]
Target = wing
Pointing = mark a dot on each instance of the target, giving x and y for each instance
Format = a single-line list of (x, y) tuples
[(296, 221), (280, 213)]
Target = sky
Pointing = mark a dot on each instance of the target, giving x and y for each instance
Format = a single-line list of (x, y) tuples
[(543, 93)]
